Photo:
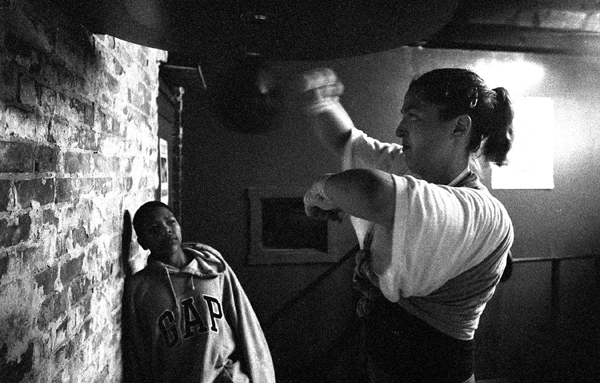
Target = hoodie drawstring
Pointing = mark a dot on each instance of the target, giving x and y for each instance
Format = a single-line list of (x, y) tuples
[(173, 291)]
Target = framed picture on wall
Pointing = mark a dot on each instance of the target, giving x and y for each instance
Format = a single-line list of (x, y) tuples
[(163, 170), (281, 232)]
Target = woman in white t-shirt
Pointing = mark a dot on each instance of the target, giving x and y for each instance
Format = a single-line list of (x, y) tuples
[(434, 242)]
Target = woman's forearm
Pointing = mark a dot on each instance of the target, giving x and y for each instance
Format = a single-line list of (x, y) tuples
[(332, 125), (320, 92), (364, 193)]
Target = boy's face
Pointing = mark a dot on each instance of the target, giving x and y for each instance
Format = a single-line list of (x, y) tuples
[(161, 233)]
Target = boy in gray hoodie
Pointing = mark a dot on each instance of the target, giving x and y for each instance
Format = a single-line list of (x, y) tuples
[(186, 317)]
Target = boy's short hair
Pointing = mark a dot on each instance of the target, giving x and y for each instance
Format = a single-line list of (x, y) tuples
[(144, 211)]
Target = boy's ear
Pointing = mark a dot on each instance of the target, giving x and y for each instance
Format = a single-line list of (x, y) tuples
[(142, 242), (462, 127)]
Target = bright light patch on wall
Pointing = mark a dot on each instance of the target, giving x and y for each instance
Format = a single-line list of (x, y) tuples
[(531, 159), (516, 75)]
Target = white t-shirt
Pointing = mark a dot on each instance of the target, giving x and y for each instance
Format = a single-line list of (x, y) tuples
[(447, 249)]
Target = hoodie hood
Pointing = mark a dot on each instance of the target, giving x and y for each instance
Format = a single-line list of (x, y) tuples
[(206, 263)]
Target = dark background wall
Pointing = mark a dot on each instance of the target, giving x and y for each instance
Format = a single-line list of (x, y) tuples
[(307, 309)]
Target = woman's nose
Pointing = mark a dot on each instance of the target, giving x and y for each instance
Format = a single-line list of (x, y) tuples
[(400, 130)]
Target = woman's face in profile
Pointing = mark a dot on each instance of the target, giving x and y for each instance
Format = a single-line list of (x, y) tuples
[(426, 138)]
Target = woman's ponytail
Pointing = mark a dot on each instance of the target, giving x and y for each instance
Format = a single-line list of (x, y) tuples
[(500, 130)]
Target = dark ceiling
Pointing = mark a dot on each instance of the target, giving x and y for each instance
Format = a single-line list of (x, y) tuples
[(193, 30), (541, 26), (277, 29), (231, 39)]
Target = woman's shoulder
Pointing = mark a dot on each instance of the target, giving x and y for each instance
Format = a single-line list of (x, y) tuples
[(473, 201), (480, 197)]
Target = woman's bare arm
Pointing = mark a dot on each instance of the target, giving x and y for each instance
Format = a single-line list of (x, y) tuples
[(364, 193), (321, 90)]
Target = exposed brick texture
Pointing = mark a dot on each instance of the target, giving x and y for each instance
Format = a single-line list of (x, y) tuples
[(13, 233), (5, 189), (16, 157), (78, 148)]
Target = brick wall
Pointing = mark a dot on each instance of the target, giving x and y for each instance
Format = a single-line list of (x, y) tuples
[(78, 149)]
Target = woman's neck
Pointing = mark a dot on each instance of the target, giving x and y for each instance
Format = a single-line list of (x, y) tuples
[(447, 175)]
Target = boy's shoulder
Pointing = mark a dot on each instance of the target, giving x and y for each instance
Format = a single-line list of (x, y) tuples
[(143, 277), (203, 248), (207, 255)]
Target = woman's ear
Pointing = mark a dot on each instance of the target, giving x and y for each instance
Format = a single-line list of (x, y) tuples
[(462, 127)]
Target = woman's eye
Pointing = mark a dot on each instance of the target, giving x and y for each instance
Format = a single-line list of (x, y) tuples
[(410, 116)]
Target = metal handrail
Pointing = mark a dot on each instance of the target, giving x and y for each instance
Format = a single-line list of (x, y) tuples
[(555, 274), (545, 259)]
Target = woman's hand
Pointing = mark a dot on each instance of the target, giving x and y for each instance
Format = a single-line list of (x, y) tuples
[(318, 88), (317, 93), (316, 203)]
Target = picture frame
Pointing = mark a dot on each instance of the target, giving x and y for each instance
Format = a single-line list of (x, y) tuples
[(163, 170), (281, 232)]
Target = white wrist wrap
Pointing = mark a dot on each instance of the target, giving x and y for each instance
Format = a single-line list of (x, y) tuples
[(319, 187)]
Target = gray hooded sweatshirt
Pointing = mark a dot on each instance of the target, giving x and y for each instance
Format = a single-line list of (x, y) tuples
[(191, 325)]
